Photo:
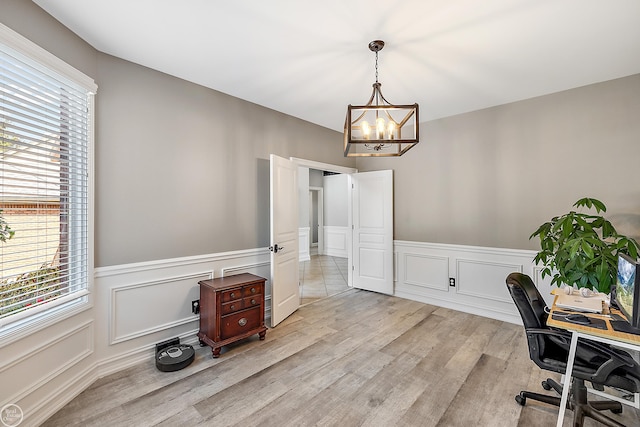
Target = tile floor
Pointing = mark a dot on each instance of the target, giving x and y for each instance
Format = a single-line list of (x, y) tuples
[(321, 277)]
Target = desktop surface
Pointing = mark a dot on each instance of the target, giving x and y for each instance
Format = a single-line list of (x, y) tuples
[(559, 319)]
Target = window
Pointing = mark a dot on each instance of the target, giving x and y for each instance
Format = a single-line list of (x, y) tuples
[(46, 133)]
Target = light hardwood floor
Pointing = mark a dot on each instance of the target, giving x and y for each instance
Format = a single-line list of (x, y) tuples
[(354, 359)]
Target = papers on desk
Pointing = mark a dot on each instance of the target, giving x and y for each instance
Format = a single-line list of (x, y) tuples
[(579, 303)]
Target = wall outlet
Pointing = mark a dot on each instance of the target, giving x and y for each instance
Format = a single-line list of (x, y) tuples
[(452, 282), (195, 306)]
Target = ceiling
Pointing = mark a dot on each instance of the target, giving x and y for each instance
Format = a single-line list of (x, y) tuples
[(311, 59)]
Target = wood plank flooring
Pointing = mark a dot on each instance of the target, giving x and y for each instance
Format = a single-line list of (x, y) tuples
[(354, 359)]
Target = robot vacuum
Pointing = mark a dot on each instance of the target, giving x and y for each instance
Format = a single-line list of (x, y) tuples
[(173, 356)]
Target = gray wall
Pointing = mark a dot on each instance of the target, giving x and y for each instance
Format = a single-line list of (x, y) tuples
[(490, 177), (184, 170)]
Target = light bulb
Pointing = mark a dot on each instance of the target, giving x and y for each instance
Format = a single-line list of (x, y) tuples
[(392, 129), (380, 125), (366, 130)]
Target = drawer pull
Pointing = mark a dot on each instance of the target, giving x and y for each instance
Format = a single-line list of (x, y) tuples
[(253, 290), (232, 307), (242, 321), (232, 295), (253, 301)]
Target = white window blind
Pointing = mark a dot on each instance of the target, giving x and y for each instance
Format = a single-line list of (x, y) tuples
[(45, 136)]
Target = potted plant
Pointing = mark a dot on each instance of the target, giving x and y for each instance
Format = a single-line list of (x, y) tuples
[(580, 249)]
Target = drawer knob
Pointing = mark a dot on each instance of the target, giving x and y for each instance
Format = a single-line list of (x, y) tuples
[(253, 290), (242, 321), (232, 307), (253, 301), (232, 295)]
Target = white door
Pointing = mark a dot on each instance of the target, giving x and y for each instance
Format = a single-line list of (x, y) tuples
[(285, 290), (372, 210)]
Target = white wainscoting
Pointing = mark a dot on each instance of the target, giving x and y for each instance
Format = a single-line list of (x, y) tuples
[(135, 307), (335, 241), (304, 234), (127, 302), (168, 287), (28, 372), (423, 270)]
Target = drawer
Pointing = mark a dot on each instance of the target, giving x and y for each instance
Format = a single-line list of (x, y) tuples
[(252, 301), (231, 306), (251, 290), (239, 323), (231, 294)]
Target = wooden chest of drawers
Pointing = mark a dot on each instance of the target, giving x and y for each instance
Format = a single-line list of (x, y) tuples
[(231, 309)]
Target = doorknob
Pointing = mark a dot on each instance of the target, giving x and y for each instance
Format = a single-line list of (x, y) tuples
[(275, 248)]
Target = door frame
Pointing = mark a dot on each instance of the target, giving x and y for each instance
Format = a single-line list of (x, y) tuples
[(320, 213)]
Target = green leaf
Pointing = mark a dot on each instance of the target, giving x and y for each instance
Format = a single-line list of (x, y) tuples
[(583, 202), (597, 222), (633, 249), (586, 249), (582, 222), (600, 207), (589, 202)]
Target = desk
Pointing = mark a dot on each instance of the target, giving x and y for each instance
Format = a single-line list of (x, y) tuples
[(608, 336)]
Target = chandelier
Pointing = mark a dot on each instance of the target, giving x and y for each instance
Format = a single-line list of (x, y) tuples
[(379, 128)]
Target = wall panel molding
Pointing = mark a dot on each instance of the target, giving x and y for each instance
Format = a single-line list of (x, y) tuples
[(423, 271), (245, 268), (335, 241), (129, 302), (428, 271), (304, 237), (492, 272)]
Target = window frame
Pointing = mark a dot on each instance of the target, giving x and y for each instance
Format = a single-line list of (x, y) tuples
[(43, 317)]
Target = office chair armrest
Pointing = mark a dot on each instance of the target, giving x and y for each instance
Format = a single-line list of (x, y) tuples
[(620, 356), (617, 359), (587, 351), (565, 337)]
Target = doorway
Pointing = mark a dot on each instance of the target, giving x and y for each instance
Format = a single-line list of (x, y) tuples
[(321, 273)]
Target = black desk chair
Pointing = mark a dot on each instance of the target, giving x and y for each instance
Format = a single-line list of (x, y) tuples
[(595, 362)]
